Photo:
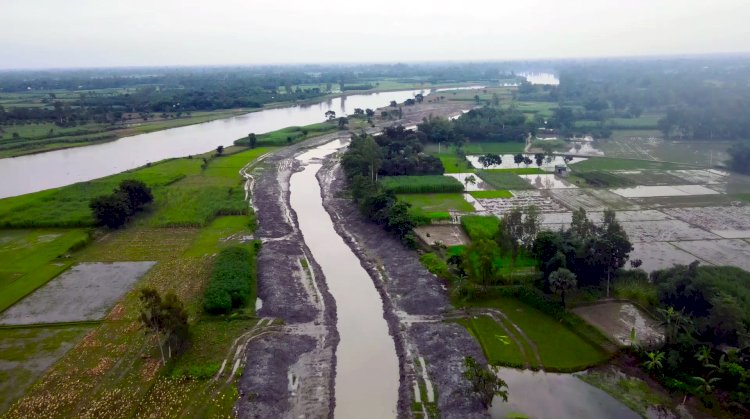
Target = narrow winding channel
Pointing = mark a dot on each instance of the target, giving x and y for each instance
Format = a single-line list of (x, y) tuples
[(367, 371), (53, 169)]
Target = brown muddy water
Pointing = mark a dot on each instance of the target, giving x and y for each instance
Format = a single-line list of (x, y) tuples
[(367, 370), (53, 169)]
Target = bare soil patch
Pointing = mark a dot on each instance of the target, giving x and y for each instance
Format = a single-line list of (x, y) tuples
[(449, 235), (620, 320)]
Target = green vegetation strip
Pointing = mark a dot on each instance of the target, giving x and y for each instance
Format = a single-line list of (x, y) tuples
[(503, 179), (498, 194), (231, 281), (442, 202), (605, 163), (498, 346), (421, 184), (455, 164)]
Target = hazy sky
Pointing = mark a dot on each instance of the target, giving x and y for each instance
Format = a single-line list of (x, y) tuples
[(86, 33)]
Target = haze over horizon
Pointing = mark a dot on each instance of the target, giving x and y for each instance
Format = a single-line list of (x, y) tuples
[(84, 33)]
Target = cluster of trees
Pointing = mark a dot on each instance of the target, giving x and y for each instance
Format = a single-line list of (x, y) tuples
[(361, 163), (483, 124), (115, 209), (706, 317), (592, 253), (167, 319), (231, 280), (702, 98)]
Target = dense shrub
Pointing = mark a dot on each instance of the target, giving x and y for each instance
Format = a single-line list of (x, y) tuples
[(480, 226), (114, 210), (231, 280)]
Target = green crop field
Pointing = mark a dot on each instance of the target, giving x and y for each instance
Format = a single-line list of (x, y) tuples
[(504, 179), (30, 258), (183, 194), (478, 148), (442, 202), (559, 348), (421, 184), (454, 164), (498, 347), (605, 163)]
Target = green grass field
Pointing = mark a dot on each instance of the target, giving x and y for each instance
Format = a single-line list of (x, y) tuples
[(505, 179), (422, 184), (498, 347), (599, 179), (438, 202), (183, 194), (605, 163), (497, 194), (559, 348), (30, 258), (454, 164), (478, 148)]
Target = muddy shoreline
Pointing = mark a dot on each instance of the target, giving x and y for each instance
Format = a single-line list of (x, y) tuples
[(413, 301)]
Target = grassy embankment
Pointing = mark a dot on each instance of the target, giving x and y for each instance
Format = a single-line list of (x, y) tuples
[(115, 370)]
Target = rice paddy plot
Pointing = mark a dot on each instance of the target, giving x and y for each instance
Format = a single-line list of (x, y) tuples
[(30, 258), (733, 252), (443, 202), (85, 292), (663, 191), (729, 222), (666, 230), (660, 255), (591, 199)]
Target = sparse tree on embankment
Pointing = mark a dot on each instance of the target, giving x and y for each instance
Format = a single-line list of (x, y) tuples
[(484, 382), (167, 319)]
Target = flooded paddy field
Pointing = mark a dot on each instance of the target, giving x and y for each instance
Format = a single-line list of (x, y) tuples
[(621, 321), (648, 145), (548, 182), (85, 292), (592, 199), (478, 185), (660, 255), (551, 395), (508, 162), (732, 252), (540, 199), (643, 191), (666, 230), (730, 222)]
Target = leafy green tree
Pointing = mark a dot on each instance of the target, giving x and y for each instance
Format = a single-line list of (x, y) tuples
[(220, 150), (471, 179), (539, 158), (479, 262), (561, 281), (342, 122), (166, 318), (111, 210), (518, 159), (484, 383), (138, 194), (252, 140), (490, 159)]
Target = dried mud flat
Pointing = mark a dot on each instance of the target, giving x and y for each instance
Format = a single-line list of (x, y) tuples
[(84, 292)]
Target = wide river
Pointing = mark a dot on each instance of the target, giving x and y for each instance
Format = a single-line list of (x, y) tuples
[(367, 372), (36, 172)]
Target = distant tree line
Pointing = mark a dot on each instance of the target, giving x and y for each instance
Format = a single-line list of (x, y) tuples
[(478, 125)]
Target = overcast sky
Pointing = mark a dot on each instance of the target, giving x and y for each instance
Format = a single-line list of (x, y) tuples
[(99, 33)]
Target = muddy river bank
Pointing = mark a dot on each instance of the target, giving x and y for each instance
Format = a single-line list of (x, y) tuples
[(301, 358)]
